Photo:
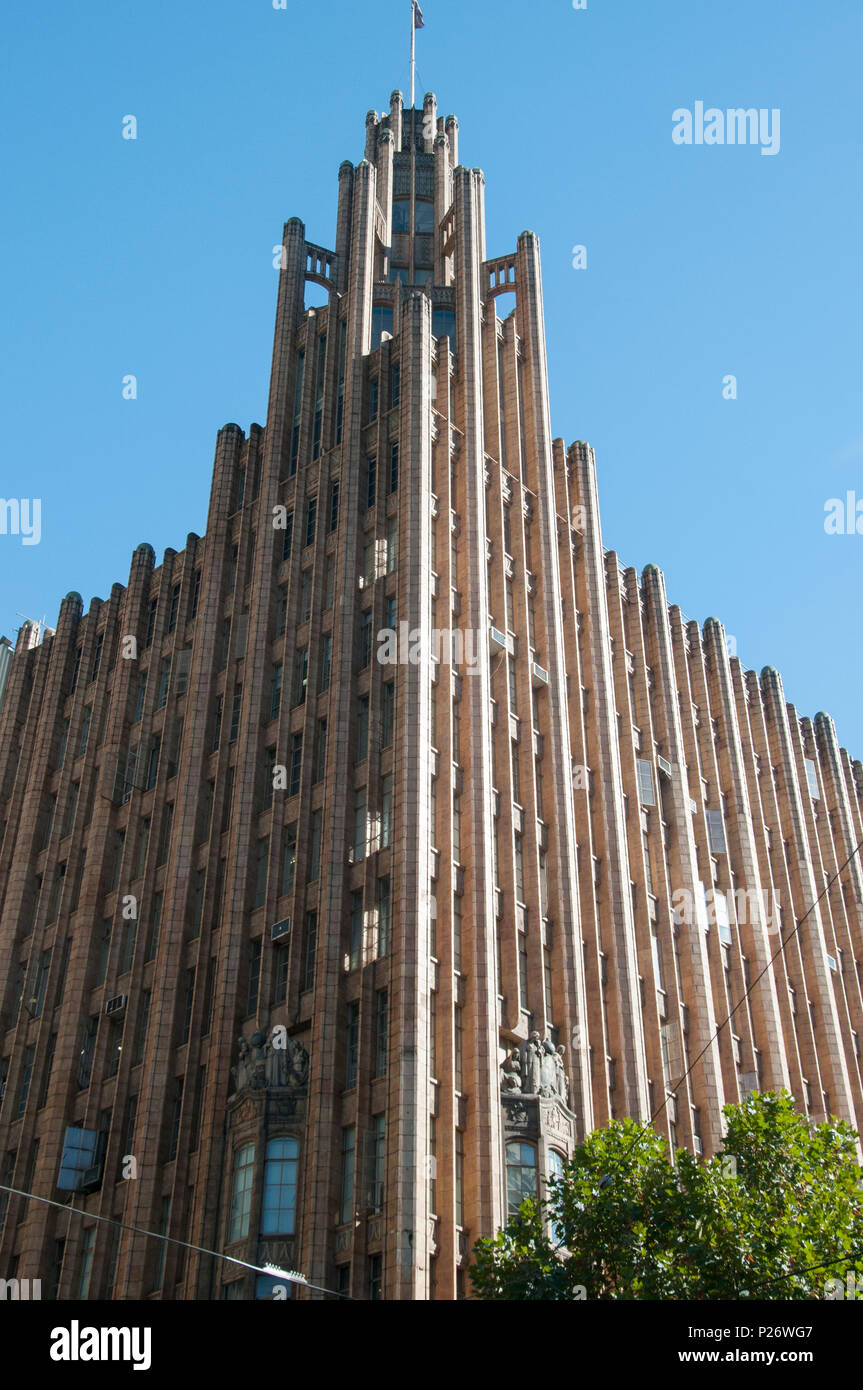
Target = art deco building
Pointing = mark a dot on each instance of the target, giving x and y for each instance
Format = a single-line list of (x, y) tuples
[(297, 916)]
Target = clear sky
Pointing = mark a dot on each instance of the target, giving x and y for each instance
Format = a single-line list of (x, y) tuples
[(154, 257)]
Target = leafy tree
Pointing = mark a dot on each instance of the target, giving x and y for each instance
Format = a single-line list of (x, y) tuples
[(622, 1222)]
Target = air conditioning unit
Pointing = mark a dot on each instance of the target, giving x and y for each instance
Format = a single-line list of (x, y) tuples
[(697, 1146), (361, 582), (664, 766), (831, 961), (117, 1004), (538, 674), (279, 930), (498, 639)]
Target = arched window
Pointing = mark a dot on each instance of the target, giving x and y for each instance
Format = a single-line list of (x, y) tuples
[(555, 1170), (241, 1200), (520, 1174), (401, 214), (280, 1188)]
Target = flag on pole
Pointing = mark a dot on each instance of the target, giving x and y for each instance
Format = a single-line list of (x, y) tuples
[(419, 22)]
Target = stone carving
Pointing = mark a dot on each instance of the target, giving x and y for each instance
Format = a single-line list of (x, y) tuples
[(263, 1062), (516, 1113), (511, 1072), (243, 1070), (532, 1054), (536, 1068)]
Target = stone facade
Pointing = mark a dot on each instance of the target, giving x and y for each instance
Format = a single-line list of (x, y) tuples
[(328, 955)]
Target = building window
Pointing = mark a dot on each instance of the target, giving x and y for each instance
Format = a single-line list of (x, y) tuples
[(315, 848), (196, 594), (278, 1215), (376, 1278), (340, 394), (298, 410), (372, 481), (97, 655), (281, 986), (378, 1162), (520, 1174), (175, 603), (388, 703), (715, 830), (288, 536), (443, 325), (365, 640), (321, 751), (326, 662), (289, 856), (355, 945), (459, 1177), (241, 1201), (362, 728), (394, 468), (384, 908), (26, 1077), (261, 859), (386, 810), (346, 1202), (334, 504), (311, 947), (374, 398), (352, 1044), (276, 691), (381, 1030), (319, 397), (306, 597), (282, 612), (296, 763), (359, 824), (301, 676), (311, 519), (382, 322), (646, 792), (555, 1170), (188, 1001)]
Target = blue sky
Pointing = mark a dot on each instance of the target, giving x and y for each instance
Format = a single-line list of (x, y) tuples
[(154, 257)]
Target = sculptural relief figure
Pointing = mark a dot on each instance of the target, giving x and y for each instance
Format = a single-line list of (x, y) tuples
[(548, 1070), (562, 1079), (243, 1070), (276, 1064), (536, 1068), (297, 1063), (531, 1065), (510, 1075)]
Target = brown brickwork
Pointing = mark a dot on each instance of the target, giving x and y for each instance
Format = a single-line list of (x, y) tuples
[(453, 854)]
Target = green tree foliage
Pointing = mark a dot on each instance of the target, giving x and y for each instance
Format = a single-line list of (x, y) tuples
[(624, 1223)]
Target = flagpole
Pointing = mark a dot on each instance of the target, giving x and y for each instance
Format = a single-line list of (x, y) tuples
[(413, 53)]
